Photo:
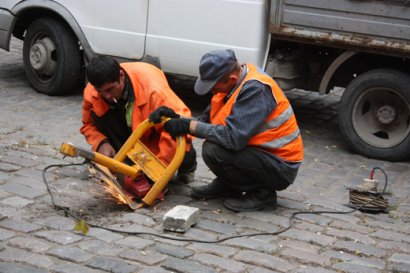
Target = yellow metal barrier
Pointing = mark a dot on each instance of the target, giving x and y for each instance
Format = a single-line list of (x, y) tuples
[(145, 161)]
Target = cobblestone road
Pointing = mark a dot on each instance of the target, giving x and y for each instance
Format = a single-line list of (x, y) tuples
[(34, 237)]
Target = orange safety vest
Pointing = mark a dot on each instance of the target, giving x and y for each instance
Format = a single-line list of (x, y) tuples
[(280, 134), (151, 90)]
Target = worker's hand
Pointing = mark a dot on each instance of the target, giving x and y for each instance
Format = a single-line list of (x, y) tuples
[(155, 115), (177, 126), (107, 150)]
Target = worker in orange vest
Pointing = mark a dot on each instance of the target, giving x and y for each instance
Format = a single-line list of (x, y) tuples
[(253, 143), (119, 97)]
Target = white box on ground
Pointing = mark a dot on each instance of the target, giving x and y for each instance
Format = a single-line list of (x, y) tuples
[(180, 218)]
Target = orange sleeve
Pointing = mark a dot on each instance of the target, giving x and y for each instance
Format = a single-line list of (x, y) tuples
[(88, 129)]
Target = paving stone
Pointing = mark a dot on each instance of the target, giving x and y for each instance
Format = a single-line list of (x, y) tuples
[(6, 211), (174, 251), (310, 227), (220, 263), (6, 234), (152, 269), (16, 201), (256, 269), (395, 246), (104, 235), (198, 233), (314, 219), (351, 227), (57, 222), (13, 255), (299, 246), (4, 177), (306, 256), (390, 226), (265, 260), (350, 235), (148, 257), (137, 219), (8, 168), (70, 253), (100, 248), (400, 262), (252, 243), (112, 265), (60, 237), (216, 227), (19, 161), (186, 266), (134, 242), (310, 269), (20, 226), (222, 251), (180, 218), (359, 249), (305, 236), (257, 225), (30, 244), (268, 217), (390, 235), (16, 268), (36, 183), (354, 268), (291, 204), (363, 261), (72, 268), (171, 242)]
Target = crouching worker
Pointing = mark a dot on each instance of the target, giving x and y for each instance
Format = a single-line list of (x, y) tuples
[(253, 143), (120, 97)]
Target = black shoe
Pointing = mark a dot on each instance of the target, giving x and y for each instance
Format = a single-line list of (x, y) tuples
[(213, 190), (185, 177), (253, 201)]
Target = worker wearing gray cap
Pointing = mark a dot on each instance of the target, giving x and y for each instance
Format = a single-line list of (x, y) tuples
[(253, 143)]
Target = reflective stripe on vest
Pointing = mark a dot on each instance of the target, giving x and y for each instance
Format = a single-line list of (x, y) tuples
[(280, 142), (278, 121)]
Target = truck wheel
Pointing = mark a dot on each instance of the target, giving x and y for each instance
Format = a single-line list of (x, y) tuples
[(374, 114), (52, 58)]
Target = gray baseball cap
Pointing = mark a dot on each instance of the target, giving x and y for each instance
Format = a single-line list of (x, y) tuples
[(212, 67)]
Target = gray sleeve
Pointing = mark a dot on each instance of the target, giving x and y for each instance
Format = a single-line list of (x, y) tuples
[(253, 105)]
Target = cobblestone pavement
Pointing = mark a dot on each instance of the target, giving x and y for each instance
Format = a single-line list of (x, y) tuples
[(34, 237)]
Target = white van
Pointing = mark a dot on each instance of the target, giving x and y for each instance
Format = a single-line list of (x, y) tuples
[(60, 36)]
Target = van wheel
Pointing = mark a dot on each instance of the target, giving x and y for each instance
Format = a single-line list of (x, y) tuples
[(374, 114), (52, 58)]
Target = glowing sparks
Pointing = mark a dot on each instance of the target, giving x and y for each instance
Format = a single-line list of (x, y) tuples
[(115, 194)]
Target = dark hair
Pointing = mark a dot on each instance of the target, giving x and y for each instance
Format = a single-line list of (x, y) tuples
[(102, 70)]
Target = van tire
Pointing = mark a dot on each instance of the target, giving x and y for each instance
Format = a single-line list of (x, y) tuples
[(374, 114), (52, 57)]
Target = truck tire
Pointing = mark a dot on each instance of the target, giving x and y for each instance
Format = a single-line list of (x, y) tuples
[(374, 114), (52, 58)]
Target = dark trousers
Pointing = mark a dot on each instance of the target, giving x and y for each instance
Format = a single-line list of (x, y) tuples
[(247, 170), (114, 126)]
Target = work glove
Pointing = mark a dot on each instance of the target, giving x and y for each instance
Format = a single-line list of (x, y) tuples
[(155, 115), (177, 126)]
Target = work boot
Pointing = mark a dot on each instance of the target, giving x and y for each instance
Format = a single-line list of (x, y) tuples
[(213, 190), (253, 201), (184, 177)]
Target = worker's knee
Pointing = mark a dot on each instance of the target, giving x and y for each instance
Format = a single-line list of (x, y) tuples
[(214, 154)]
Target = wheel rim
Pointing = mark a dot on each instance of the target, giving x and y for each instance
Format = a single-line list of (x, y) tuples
[(43, 57), (381, 117)]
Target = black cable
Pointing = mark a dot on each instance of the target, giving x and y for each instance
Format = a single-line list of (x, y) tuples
[(137, 233)]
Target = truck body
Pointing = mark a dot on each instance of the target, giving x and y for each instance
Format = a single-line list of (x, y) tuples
[(360, 45)]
